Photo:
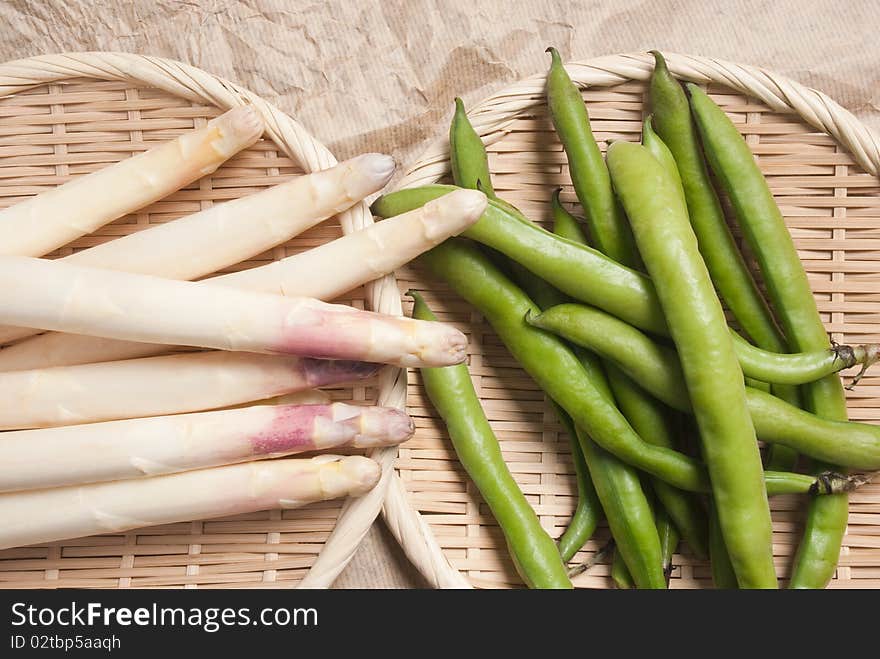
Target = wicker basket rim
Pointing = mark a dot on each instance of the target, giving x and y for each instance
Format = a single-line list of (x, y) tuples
[(492, 118), (194, 84)]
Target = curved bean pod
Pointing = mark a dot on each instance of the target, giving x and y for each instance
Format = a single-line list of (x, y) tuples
[(802, 367), (659, 218), (592, 185), (764, 229), (657, 368), (577, 270), (470, 169), (467, 156), (452, 393)]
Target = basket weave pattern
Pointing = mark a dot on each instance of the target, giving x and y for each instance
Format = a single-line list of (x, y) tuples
[(832, 206), (55, 124)]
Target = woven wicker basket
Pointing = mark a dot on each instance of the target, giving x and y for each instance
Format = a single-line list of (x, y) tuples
[(822, 166), (63, 115)]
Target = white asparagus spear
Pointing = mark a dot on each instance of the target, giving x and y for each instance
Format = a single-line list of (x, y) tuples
[(324, 272), (232, 232), (39, 516), (134, 448), (170, 384), (53, 218), (69, 298)]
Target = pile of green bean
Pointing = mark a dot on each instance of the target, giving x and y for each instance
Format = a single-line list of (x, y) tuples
[(621, 323)]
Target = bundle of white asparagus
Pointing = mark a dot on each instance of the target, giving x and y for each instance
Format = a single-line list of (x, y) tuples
[(104, 436)]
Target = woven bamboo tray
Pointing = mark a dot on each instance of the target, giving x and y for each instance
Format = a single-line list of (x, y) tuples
[(65, 115), (822, 166)]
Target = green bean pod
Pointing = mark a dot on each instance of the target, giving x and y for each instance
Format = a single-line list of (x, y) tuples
[(657, 368), (451, 391), (669, 248), (470, 164), (764, 229), (661, 152), (565, 225), (588, 512), (592, 185), (669, 538), (802, 367), (470, 169), (575, 269)]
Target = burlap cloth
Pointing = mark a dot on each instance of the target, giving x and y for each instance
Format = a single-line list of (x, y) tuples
[(367, 75)]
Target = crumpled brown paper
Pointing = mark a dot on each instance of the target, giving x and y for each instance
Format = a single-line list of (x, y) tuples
[(380, 75)]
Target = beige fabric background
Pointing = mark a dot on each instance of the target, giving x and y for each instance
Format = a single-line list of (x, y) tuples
[(373, 75)]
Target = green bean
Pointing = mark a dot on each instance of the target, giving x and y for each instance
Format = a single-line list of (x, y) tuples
[(470, 169), (726, 265), (668, 543), (659, 219), (801, 367), (722, 570), (764, 229), (646, 417), (657, 368), (576, 270), (588, 512), (661, 152), (470, 164), (592, 185), (452, 393)]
